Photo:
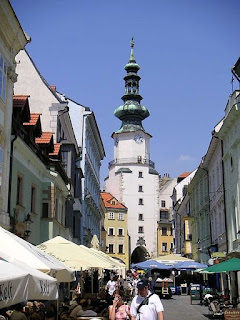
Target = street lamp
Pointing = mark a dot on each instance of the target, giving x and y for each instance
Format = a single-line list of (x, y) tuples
[(27, 223)]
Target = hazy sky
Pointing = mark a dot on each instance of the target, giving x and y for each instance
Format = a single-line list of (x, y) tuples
[(185, 50)]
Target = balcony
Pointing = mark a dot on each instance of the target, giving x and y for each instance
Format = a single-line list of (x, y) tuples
[(137, 160)]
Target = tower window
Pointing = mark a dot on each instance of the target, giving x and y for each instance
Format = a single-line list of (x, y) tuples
[(140, 201), (163, 204), (140, 217), (140, 174), (140, 188), (140, 229)]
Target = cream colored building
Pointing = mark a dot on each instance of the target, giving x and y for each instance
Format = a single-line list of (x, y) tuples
[(12, 40), (116, 226)]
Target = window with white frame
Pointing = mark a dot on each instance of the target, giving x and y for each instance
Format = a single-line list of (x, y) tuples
[(1, 164), (120, 231), (120, 216), (140, 217), (164, 246), (3, 78), (140, 201), (111, 215), (111, 248), (120, 248), (140, 188), (111, 231), (163, 203)]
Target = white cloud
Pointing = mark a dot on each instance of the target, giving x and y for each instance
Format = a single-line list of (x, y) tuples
[(185, 158)]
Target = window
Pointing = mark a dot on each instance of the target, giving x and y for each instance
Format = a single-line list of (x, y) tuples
[(164, 231), (140, 217), (19, 190), (164, 246), (3, 77), (110, 248), (111, 231), (45, 209), (113, 202), (163, 215), (120, 231), (171, 231), (120, 248), (140, 201), (65, 161), (163, 203), (140, 229), (140, 174), (33, 199), (111, 215), (140, 188), (120, 216), (1, 163)]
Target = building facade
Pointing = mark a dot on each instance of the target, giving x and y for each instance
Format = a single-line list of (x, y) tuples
[(91, 154), (116, 226), (55, 120), (12, 40)]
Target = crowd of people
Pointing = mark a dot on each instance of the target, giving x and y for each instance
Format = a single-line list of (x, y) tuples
[(118, 299)]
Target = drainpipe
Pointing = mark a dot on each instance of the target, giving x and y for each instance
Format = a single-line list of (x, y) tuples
[(224, 197), (10, 176)]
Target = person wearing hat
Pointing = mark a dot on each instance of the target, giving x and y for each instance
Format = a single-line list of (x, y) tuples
[(146, 305)]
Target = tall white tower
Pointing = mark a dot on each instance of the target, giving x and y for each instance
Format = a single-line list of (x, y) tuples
[(132, 177)]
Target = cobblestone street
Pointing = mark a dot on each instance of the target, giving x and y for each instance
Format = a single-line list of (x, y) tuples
[(179, 307)]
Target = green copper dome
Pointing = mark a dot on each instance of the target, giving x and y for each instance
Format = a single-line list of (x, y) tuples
[(131, 113)]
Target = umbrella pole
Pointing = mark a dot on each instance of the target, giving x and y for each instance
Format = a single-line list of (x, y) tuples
[(58, 301), (92, 282)]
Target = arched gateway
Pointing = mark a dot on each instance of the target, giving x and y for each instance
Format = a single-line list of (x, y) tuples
[(139, 254)]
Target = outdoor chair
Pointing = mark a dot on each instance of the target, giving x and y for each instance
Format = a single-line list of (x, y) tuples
[(214, 307)]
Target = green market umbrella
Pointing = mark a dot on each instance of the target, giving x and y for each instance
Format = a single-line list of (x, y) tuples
[(226, 266)]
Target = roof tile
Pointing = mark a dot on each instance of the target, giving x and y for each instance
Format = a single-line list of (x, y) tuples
[(33, 119), (107, 197), (45, 138)]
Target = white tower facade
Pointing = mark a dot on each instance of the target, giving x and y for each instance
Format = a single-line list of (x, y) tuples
[(132, 178)]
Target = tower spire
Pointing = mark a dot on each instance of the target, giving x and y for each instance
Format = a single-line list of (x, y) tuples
[(131, 112)]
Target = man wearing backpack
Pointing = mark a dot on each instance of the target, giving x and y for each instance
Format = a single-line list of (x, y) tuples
[(146, 305)]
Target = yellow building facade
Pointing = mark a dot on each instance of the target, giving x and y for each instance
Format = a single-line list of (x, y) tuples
[(164, 233), (116, 228)]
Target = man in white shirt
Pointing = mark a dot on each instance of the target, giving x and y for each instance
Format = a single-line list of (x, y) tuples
[(146, 306), (111, 286)]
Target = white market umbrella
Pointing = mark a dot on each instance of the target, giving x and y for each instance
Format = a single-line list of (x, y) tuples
[(21, 250), (71, 254), (19, 282)]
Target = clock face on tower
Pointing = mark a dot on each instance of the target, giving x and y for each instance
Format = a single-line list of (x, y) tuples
[(138, 138)]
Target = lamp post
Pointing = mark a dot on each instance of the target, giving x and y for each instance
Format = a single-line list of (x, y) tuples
[(27, 223)]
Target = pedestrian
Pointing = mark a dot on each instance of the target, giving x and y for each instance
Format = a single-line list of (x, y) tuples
[(118, 310), (146, 305), (111, 286)]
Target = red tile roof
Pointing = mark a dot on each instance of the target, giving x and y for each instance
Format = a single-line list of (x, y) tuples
[(107, 198), (33, 119), (184, 175), (56, 149), (53, 88), (45, 138), (19, 101)]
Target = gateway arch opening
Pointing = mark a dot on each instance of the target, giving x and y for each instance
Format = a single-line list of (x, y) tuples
[(139, 254)]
